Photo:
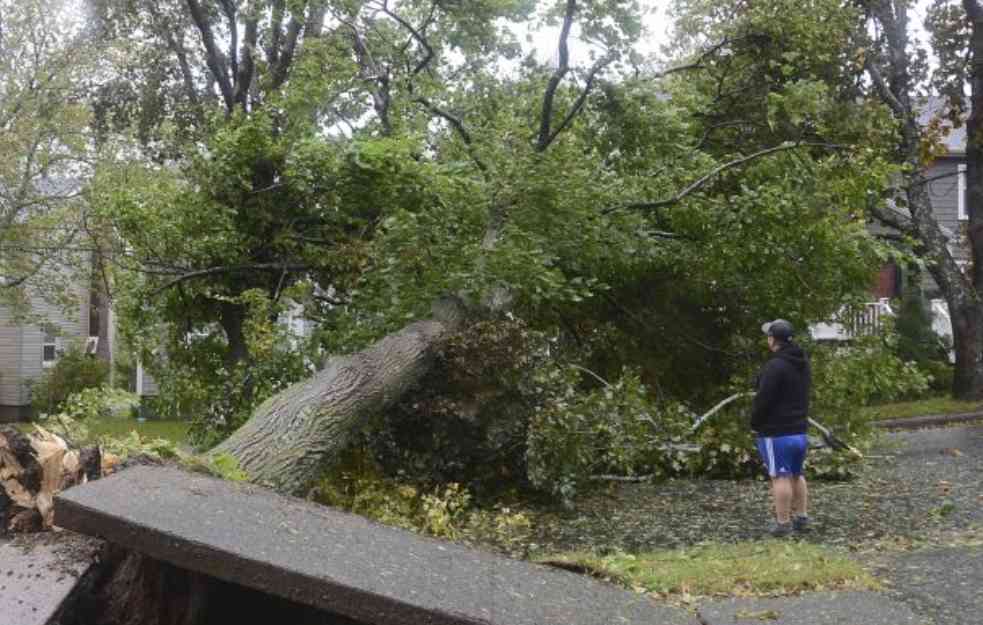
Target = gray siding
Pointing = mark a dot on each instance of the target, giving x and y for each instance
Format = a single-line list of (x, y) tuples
[(21, 346), (150, 388), (943, 190), (10, 359), (944, 194)]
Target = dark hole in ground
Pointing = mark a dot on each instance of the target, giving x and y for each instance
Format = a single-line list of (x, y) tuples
[(125, 588)]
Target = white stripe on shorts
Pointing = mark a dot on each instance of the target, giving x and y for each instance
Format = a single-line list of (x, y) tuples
[(770, 448)]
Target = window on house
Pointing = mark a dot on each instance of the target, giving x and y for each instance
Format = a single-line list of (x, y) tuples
[(961, 190), (49, 348)]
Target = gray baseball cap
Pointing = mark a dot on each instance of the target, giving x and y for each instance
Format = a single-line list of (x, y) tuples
[(779, 328)]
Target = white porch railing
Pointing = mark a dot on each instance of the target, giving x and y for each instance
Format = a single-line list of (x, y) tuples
[(863, 322), (942, 324), (870, 319)]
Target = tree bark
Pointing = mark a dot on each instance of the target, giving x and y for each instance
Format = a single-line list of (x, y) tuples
[(231, 318), (968, 321), (293, 435)]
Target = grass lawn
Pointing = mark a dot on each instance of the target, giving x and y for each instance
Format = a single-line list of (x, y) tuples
[(175, 431), (921, 408), (748, 568)]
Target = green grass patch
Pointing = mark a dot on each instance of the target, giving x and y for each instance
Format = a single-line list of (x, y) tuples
[(752, 568), (174, 431), (921, 408)]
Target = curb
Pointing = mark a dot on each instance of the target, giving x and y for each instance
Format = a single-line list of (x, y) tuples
[(913, 423)]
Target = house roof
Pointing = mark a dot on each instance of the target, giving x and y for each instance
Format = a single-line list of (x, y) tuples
[(935, 106)]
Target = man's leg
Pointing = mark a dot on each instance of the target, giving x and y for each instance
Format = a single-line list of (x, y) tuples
[(800, 496), (781, 490)]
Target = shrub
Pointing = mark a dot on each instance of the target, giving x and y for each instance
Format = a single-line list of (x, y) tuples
[(847, 378), (224, 397), (444, 510), (74, 372), (101, 403), (942, 374), (466, 421), (619, 429), (612, 429), (916, 341)]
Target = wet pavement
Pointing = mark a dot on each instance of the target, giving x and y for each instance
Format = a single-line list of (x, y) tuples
[(830, 608), (37, 574)]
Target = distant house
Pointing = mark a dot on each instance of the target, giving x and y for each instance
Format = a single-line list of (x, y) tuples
[(28, 348), (947, 191), (36, 340), (946, 187)]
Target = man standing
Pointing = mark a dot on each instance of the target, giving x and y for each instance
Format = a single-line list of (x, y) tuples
[(779, 419)]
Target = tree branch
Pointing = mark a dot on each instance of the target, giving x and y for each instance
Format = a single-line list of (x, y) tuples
[(889, 217), (211, 271), (212, 54), (372, 73), (48, 254), (883, 90), (575, 109), (277, 11), (973, 10), (189, 85), (458, 127), (563, 66), (247, 68), (286, 55), (315, 20), (177, 47), (229, 7), (924, 181), (416, 34), (699, 183), (698, 63)]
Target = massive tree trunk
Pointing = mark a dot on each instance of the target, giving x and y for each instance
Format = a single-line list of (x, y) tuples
[(290, 438), (968, 382), (967, 330)]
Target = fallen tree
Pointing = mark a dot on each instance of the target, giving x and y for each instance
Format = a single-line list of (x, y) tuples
[(535, 199), (293, 434)]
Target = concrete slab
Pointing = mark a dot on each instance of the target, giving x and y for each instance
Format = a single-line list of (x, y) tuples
[(37, 574), (827, 608), (338, 562)]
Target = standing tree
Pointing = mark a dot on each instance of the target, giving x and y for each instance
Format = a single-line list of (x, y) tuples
[(44, 144)]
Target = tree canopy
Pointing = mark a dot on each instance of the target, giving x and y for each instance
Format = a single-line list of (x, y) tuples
[(635, 217), (45, 147)]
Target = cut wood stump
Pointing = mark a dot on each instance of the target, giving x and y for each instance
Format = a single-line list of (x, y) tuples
[(33, 469)]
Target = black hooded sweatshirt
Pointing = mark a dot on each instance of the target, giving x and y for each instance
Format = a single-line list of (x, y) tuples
[(781, 405)]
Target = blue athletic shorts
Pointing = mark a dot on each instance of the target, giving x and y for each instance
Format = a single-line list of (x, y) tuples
[(783, 456)]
